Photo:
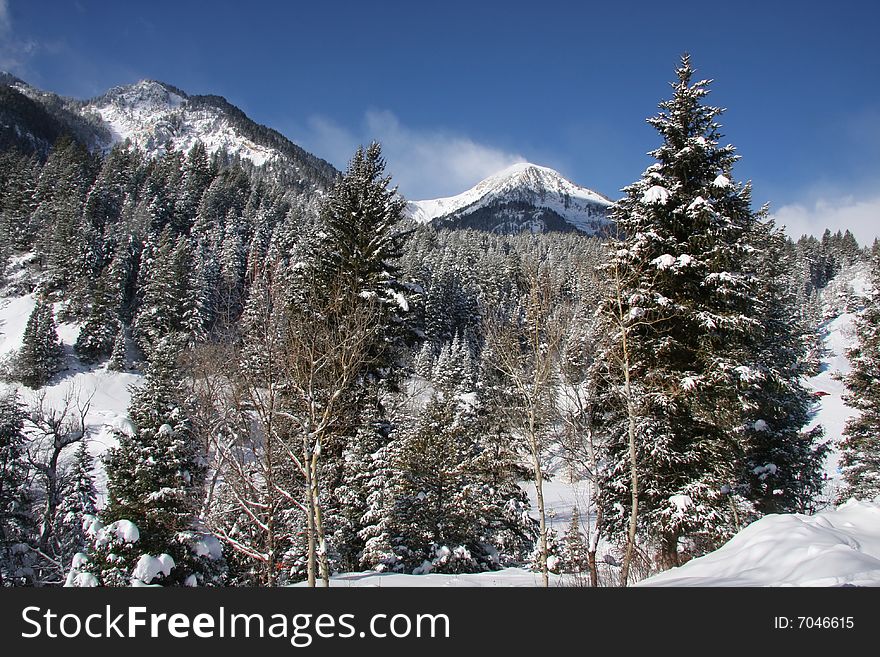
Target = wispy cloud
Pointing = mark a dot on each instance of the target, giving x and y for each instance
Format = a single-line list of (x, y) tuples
[(424, 163), (859, 215), (5, 22), (15, 51)]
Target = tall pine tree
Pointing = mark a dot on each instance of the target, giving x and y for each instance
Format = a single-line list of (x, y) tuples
[(860, 458), (678, 319), (155, 480), (40, 355)]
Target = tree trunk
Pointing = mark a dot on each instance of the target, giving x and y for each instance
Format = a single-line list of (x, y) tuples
[(310, 521), (542, 517), (591, 552), (47, 528), (667, 557), (320, 539), (634, 498)]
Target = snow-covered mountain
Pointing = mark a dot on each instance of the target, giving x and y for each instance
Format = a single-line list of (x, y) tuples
[(522, 197), (155, 117)]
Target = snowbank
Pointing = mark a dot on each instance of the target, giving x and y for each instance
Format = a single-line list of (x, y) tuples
[(833, 548)]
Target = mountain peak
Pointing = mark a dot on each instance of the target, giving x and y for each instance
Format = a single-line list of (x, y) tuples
[(523, 196), (147, 95)]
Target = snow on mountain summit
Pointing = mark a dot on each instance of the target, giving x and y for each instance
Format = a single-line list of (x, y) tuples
[(522, 184), (157, 117)]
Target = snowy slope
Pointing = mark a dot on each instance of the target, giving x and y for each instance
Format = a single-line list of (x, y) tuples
[(840, 300), (107, 393), (521, 183), (156, 117), (832, 548)]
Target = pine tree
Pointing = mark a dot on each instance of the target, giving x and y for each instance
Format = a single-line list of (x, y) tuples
[(163, 277), (156, 475), (358, 252), (677, 322), (442, 496), (95, 339), (573, 550), (361, 498), (17, 526), (78, 505), (435, 515), (197, 176), (40, 355), (56, 222), (118, 360), (18, 179), (453, 369), (860, 448), (783, 463)]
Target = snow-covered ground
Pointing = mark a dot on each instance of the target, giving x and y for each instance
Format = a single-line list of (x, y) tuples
[(838, 337), (509, 577), (107, 393), (832, 548)]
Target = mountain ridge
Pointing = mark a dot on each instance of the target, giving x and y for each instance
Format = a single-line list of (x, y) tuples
[(156, 117)]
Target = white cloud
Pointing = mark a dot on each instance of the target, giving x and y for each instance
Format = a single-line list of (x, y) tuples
[(5, 22), (14, 51), (423, 163), (861, 216)]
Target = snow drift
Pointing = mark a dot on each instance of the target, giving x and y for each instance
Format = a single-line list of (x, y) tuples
[(833, 548)]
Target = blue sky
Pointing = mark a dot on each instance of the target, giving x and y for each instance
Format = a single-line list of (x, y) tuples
[(457, 90)]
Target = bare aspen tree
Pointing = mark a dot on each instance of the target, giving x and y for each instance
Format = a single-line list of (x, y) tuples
[(581, 444), (52, 430), (329, 342), (622, 321), (524, 347), (236, 392)]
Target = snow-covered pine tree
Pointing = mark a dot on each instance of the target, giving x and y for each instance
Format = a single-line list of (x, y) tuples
[(155, 479), (232, 261), (17, 525), (573, 550), (95, 340), (118, 360), (860, 448), (436, 513), (160, 192), (783, 462), (678, 315), (505, 523), (358, 252), (102, 212), (197, 175), (40, 355), (18, 179), (58, 205), (453, 371), (163, 277), (78, 502)]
